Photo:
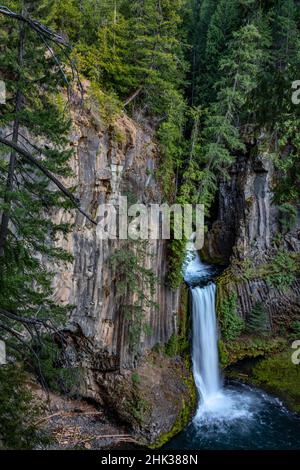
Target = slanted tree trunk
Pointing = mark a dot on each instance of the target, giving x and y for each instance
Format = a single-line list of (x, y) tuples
[(15, 136)]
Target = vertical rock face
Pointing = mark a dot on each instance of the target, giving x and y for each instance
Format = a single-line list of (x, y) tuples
[(110, 161), (151, 392), (243, 238), (247, 220)]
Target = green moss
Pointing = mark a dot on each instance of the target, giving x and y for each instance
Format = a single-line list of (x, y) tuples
[(279, 375), (176, 255), (249, 347), (180, 423)]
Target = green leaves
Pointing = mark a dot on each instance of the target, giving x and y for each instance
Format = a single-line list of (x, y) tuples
[(282, 270), (19, 411), (136, 285), (231, 323)]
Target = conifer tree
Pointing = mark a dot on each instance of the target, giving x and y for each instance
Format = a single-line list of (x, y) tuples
[(257, 322), (34, 126)]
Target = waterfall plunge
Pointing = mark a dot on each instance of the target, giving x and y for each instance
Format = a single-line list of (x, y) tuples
[(216, 405), (205, 351), (205, 334)]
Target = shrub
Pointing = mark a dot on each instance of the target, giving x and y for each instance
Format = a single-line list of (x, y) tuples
[(283, 270)]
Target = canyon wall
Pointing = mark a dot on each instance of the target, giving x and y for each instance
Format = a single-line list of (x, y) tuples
[(246, 237), (108, 161)]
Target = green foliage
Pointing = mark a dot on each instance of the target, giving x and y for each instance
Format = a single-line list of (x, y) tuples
[(223, 354), (288, 216), (249, 347), (281, 376), (139, 408), (40, 124), (238, 47), (18, 411), (258, 319), (295, 328), (231, 324), (176, 255), (136, 286), (282, 271), (180, 423), (52, 367), (136, 378)]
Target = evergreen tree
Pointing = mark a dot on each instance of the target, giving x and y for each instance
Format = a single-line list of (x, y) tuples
[(221, 137), (258, 321), (34, 126)]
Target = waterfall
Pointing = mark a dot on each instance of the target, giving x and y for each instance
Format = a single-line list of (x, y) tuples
[(205, 332), (205, 349), (233, 416)]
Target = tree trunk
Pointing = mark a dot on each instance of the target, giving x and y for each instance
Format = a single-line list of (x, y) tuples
[(13, 155)]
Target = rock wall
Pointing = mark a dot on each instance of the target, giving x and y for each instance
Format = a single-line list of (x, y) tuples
[(108, 161), (243, 238)]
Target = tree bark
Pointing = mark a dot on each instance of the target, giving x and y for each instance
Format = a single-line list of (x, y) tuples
[(13, 155)]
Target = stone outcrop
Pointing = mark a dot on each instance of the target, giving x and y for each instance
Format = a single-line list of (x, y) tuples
[(243, 237)]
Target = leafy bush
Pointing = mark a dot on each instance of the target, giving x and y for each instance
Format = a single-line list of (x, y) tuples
[(51, 368), (136, 378), (283, 270), (288, 216), (295, 327), (172, 346)]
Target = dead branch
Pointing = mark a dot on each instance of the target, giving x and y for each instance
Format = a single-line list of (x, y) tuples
[(47, 173), (133, 96), (46, 34)]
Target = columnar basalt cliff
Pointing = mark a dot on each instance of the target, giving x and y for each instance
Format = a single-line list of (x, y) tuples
[(109, 161), (245, 238)]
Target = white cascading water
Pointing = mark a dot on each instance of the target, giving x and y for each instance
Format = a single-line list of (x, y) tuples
[(215, 404), (205, 350), (235, 416)]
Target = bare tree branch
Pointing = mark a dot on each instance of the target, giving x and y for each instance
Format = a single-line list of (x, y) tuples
[(133, 96), (47, 173), (46, 34)]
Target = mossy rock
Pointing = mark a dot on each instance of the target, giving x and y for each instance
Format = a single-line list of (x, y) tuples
[(248, 347), (279, 375)]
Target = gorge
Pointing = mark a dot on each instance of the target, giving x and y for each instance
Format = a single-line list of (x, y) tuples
[(230, 416), (114, 341)]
